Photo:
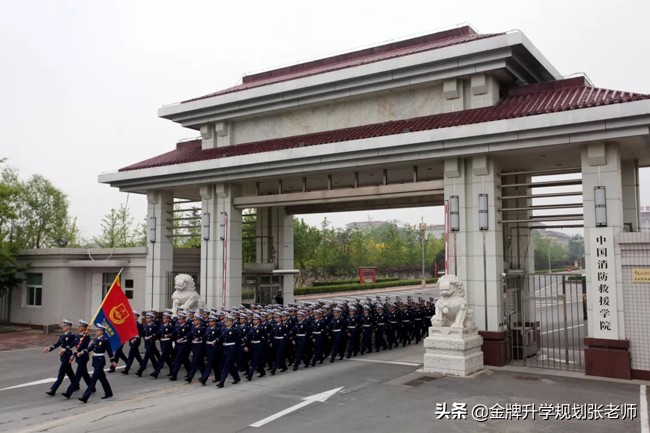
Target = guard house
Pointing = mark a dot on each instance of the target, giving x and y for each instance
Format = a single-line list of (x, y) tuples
[(480, 121)]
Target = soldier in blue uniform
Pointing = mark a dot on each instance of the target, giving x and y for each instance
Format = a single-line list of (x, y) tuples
[(337, 326), (230, 343), (181, 335), (213, 349), (367, 326), (257, 341), (380, 328), (81, 343), (352, 325), (66, 342), (134, 345), (197, 340), (280, 333), (150, 331), (165, 335), (319, 332), (392, 326), (100, 346), (301, 338)]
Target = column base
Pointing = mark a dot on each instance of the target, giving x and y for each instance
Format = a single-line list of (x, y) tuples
[(456, 352), (607, 358), (495, 348)]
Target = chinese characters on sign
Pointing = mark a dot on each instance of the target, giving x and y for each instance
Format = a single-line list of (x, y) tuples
[(603, 281), (641, 275)]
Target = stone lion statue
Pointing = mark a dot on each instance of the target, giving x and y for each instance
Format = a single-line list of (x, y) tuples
[(185, 294), (451, 309)]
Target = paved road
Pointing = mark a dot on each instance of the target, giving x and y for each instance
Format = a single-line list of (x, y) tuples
[(380, 393)]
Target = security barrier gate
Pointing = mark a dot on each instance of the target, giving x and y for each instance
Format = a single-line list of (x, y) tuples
[(546, 318)]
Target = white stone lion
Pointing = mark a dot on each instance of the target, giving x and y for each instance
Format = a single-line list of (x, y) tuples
[(451, 309), (185, 294)]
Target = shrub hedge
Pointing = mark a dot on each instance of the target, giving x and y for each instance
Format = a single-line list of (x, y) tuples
[(353, 287), (355, 281)]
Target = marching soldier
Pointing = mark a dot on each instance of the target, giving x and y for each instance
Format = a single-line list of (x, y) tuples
[(231, 342), (66, 342), (100, 346), (302, 335), (180, 336), (281, 334), (352, 325), (81, 344), (213, 349), (367, 324), (165, 334), (319, 334), (257, 340), (197, 338), (134, 345), (150, 330), (380, 328), (392, 326), (337, 326)]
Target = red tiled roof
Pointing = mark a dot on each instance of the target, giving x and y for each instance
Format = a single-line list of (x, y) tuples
[(369, 55), (563, 95)]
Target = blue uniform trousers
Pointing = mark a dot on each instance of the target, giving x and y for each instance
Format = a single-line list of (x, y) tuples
[(98, 375)]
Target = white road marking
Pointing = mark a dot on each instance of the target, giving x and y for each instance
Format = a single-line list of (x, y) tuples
[(49, 380), (379, 361), (643, 408), (307, 400)]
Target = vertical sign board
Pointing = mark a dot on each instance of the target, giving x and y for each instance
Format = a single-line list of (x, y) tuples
[(602, 270)]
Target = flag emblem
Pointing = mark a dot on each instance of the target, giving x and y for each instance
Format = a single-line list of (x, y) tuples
[(119, 314)]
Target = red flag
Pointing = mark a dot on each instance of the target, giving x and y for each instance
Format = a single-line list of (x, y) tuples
[(116, 315)]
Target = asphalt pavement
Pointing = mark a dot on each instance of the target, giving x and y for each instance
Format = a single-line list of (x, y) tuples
[(379, 392)]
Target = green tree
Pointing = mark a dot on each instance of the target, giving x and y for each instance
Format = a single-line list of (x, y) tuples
[(119, 230), (38, 215)]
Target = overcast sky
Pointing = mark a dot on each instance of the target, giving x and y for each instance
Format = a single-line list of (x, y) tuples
[(82, 80)]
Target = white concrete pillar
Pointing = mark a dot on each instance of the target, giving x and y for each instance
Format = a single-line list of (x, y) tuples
[(221, 255), (454, 185), (484, 247), (601, 166), (467, 179), (284, 250), (160, 254)]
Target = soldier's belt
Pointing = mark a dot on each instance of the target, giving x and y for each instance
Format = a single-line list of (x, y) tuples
[(279, 338), (256, 341), (405, 321), (317, 332), (165, 339), (228, 344), (300, 335), (336, 330), (352, 327), (98, 354), (393, 322), (418, 319), (197, 342), (381, 324), (366, 326)]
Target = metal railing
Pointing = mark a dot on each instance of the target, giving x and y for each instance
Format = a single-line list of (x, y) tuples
[(546, 318)]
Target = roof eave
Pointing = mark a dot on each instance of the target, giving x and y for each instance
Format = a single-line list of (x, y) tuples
[(445, 63), (603, 122)]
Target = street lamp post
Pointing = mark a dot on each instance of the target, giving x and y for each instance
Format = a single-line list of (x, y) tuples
[(423, 229)]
